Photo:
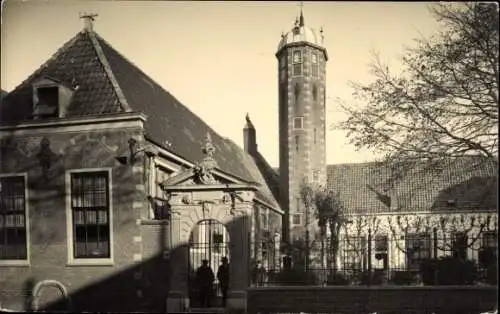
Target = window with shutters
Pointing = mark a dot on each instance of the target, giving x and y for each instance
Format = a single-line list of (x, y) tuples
[(13, 219)]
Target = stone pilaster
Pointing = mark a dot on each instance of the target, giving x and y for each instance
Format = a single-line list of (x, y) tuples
[(240, 228), (178, 297)]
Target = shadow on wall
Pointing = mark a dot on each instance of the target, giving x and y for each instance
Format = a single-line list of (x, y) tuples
[(126, 290), (48, 232), (472, 194)]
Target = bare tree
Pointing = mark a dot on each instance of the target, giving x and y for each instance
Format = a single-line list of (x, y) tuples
[(445, 101), (330, 213), (307, 197)]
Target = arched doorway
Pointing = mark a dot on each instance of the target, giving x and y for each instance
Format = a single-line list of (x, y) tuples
[(209, 240)]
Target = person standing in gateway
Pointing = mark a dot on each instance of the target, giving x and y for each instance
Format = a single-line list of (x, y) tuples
[(205, 277), (223, 277)]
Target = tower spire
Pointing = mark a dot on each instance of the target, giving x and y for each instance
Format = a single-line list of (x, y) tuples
[(301, 22)]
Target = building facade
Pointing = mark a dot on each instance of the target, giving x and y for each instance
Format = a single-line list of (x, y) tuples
[(302, 125), (106, 179), (112, 192), (397, 215)]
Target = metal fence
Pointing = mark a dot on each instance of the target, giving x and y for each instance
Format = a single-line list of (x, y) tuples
[(409, 259)]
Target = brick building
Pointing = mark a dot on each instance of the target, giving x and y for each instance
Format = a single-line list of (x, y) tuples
[(428, 205), (111, 189), (106, 182)]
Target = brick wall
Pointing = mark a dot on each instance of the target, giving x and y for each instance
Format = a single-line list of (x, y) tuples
[(154, 278), (91, 288), (400, 299)]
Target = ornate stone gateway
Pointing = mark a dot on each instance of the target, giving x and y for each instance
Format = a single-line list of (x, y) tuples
[(209, 240), (207, 210)]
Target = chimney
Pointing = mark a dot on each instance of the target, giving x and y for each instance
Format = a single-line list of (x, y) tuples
[(249, 137)]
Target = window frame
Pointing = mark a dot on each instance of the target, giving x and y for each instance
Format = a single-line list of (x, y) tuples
[(355, 253), (412, 263), (48, 84), (166, 172), (27, 260), (300, 219), (77, 261), (297, 66), (314, 65), (459, 244), (301, 119)]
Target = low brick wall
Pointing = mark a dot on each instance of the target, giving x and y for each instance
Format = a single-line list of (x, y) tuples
[(380, 299)]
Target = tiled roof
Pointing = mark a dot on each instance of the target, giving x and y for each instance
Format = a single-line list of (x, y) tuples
[(268, 173), (167, 119), (75, 64), (469, 183)]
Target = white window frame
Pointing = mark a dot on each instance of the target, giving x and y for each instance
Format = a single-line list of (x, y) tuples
[(72, 261), (21, 262), (301, 123)]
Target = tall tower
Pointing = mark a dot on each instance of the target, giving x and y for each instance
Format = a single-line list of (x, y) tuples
[(301, 81)]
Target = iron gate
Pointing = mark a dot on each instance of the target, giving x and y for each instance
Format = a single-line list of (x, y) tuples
[(208, 241)]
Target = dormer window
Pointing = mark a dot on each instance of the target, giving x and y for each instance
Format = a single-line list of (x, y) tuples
[(47, 104), (51, 97)]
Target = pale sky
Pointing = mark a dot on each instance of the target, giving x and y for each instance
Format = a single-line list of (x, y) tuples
[(217, 58)]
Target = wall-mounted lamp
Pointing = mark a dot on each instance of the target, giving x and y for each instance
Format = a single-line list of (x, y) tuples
[(134, 153)]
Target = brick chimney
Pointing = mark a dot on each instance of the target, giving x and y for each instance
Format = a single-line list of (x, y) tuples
[(249, 137)]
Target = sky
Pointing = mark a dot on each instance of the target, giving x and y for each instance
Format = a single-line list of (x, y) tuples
[(218, 57)]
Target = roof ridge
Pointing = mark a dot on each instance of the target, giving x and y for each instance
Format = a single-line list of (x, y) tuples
[(54, 56), (161, 87), (109, 72)]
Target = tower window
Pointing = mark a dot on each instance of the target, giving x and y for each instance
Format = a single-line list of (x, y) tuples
[(315, 135), (296, 219), (296, 142), (298, 122), (315, 93), (297, 62), (316, 175), (314, 65)]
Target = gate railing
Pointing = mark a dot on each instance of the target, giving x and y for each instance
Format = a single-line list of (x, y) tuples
[(409, 260)]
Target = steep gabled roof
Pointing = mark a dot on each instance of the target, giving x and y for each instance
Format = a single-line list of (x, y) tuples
[(76, 64), (109, 83), (467, 183)]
